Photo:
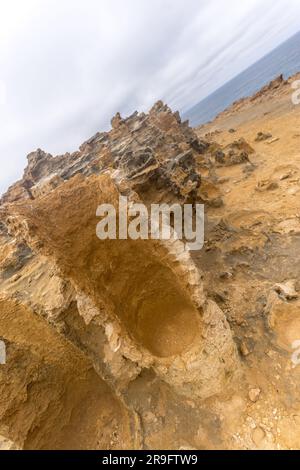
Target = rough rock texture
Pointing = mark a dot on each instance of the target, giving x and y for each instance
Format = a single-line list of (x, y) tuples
[(142, 344), (77, 309)]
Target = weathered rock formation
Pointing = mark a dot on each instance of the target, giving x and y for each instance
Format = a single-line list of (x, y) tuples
[(76, 309)]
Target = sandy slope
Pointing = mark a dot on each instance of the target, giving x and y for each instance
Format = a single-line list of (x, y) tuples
[(254, 240)]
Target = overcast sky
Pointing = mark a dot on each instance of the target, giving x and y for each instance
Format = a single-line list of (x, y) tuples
[(66, 66)]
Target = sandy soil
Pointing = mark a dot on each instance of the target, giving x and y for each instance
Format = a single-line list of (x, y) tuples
[(252, 246)]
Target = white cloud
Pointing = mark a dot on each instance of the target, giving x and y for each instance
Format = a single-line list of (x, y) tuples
[(67, 66)]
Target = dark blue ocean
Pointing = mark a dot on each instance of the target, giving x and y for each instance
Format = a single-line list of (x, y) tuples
[(285, 60)]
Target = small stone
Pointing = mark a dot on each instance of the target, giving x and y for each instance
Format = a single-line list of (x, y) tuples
[(219, 297), (272, 186), (225, 275), (254, 394), (285, 176), (261, 136), (286, 291), (266, 185), (272, 141), (244, 349), (258, 436)]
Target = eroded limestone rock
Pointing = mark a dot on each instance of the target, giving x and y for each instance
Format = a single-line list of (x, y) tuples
[(147, 295), (123, 306)]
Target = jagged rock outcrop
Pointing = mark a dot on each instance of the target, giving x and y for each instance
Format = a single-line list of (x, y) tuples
[(153, 152), (124, 305)]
